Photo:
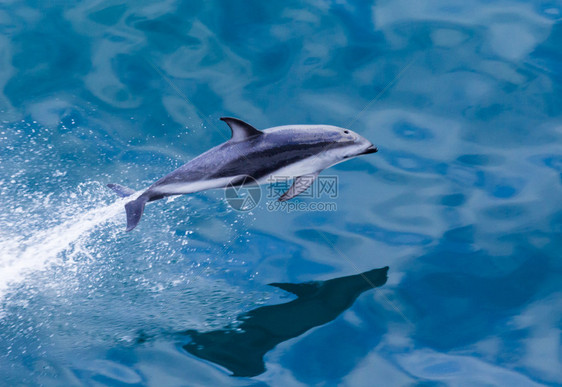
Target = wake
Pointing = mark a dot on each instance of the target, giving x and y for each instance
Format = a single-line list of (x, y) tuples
[(21, 256)]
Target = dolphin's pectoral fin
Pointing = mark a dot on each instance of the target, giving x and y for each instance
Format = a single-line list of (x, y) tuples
[(134, 211), (300, 184), (240, 129), (300, 290), (121, 190)]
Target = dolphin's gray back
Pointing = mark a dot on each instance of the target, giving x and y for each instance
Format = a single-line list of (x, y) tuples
[(257, 157)]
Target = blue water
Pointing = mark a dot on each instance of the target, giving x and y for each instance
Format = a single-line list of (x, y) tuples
[(463, 202)]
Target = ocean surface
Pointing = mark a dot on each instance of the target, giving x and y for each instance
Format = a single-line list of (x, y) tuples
[(436, 261)]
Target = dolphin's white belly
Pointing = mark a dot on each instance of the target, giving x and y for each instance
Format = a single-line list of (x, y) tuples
[(180, 188), (304, 167), (307, 166)]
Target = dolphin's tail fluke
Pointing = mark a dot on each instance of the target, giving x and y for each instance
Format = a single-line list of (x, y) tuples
[(134, 211), (121, 190)]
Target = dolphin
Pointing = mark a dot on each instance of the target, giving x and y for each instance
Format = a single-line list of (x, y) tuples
[(298, 151), (241, 348)]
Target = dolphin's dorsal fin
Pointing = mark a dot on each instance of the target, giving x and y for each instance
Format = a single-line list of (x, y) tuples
[(240, 129), (300, 290)]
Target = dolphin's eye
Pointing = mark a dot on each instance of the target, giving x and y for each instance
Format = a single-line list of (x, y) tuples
[(346, 131)]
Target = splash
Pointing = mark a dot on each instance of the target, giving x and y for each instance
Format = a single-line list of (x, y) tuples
[(21, 256)]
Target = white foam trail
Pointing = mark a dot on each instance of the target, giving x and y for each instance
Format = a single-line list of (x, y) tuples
[(19, 256)]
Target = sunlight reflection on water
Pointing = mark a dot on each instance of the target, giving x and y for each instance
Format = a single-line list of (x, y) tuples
[(462, 201)]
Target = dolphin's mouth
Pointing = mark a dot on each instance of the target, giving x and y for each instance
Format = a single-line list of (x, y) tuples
[(371, 149)]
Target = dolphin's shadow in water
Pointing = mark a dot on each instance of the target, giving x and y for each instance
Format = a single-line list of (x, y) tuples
[(241, 349)]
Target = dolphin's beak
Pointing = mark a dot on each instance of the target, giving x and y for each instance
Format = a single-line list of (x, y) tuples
[(370, 149)]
